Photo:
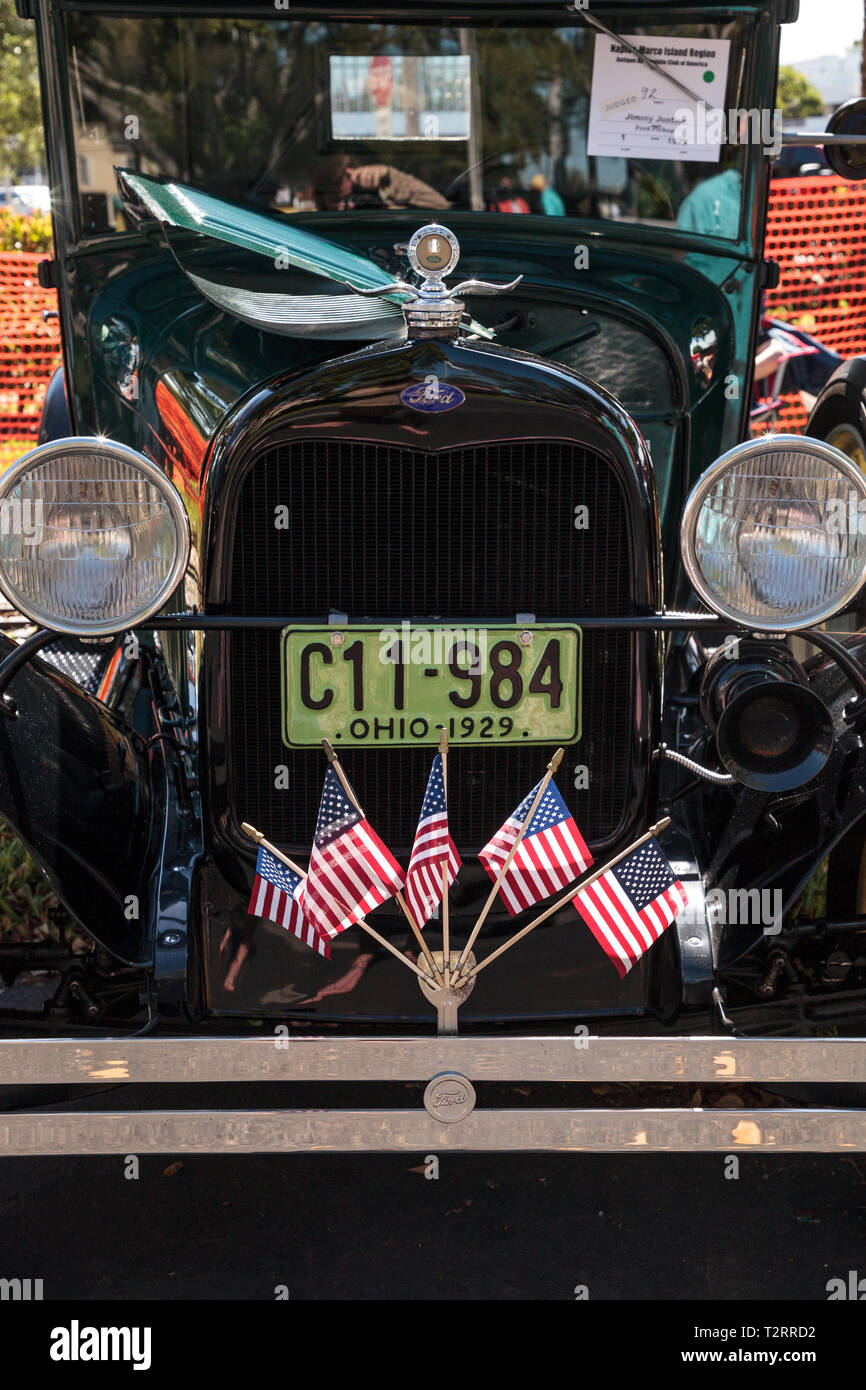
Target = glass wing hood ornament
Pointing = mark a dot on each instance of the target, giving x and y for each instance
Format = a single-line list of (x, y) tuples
[(374, 316)]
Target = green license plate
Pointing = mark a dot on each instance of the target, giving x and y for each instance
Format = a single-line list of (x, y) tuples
[(389, 687)]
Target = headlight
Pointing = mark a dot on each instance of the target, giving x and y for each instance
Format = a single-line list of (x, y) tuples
[(93, 536), (774, 533)]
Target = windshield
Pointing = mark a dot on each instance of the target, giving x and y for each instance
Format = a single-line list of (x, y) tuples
[(297, 116)]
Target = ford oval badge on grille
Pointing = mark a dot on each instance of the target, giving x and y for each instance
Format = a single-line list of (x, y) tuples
[(431, 396)]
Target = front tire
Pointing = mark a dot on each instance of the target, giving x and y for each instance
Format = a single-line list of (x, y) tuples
[(839, 414), (839, 418)]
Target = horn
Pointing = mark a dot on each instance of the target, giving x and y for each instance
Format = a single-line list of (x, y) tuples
[(773, 733)]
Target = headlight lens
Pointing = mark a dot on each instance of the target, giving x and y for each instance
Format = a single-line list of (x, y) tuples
[(93, 536), (774, 533)]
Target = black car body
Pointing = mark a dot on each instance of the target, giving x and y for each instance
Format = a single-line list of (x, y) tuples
[(602, 387)]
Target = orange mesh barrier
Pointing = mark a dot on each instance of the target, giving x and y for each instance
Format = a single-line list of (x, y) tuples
[(789, 418), (816, 230), (29, 351)]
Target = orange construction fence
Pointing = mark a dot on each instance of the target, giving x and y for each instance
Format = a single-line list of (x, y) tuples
[(29, 351), (816, 230)]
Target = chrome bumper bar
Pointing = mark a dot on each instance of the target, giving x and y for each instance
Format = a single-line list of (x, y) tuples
[(449, 1065), (69, 1061), (359, 1131)]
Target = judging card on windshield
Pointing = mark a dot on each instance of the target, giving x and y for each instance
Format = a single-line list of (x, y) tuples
[(636, 113)]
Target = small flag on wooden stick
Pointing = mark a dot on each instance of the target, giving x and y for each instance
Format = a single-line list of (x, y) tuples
[(433, 846), (629, 905), (351, 871), (278, 894), (551, 854)]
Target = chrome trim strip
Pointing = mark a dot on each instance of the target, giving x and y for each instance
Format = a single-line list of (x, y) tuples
[(347, 1131), (67, 1061)]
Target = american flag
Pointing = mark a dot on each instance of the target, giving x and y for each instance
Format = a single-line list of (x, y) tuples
[(432, 846), (551, 854), (351, 871), (628, 908), (278, 894)]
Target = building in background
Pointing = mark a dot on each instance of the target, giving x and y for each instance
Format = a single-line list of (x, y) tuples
[(836, 76)]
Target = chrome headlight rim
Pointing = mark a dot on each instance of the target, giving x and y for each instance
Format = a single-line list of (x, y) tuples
[(752, 448), (123, 453)]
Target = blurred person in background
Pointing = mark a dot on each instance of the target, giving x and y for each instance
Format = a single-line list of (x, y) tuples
[(549, 201), (507, 199), (341, 184)]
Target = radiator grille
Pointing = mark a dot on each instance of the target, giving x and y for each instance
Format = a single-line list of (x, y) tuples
[(481, 533)]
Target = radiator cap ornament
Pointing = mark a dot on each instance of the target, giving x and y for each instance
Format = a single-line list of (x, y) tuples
[(433, 253)]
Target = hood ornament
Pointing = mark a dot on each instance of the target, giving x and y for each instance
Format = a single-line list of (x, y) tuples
[(433, 253)]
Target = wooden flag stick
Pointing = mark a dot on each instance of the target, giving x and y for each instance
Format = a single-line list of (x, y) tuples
[(446, 931), (331, 755), (259, 838), (253, 834), (567, 897), (551, 769), (407, 913)]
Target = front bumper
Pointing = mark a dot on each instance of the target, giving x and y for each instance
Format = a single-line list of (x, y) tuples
[(464, 1060)]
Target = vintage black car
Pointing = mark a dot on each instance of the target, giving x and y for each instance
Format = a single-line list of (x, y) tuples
[(287, 425)]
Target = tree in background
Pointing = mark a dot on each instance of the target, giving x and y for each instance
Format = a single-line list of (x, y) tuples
[(797, 96), (21, 145)]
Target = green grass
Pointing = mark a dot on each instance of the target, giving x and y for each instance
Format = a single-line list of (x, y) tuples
[(813, 903), (25, 894)]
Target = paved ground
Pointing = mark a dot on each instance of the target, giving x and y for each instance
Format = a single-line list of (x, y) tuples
[(491, 1227)]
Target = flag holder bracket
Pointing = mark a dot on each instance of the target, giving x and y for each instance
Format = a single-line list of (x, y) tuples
[(446, 999)]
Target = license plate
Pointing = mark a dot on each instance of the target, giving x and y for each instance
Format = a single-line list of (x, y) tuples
[(374, 686)]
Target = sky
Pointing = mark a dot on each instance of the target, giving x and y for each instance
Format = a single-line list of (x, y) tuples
[(824, 26)]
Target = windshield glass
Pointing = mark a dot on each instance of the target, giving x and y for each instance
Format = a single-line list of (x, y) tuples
[(297, 116)]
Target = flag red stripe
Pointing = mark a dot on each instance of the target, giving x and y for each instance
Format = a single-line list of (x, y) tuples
[(349, 877), (423, 887), (599, 895), (600, 933), (605, 932), (544, 863), (640, 924), (286, 910), (623, 933)]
